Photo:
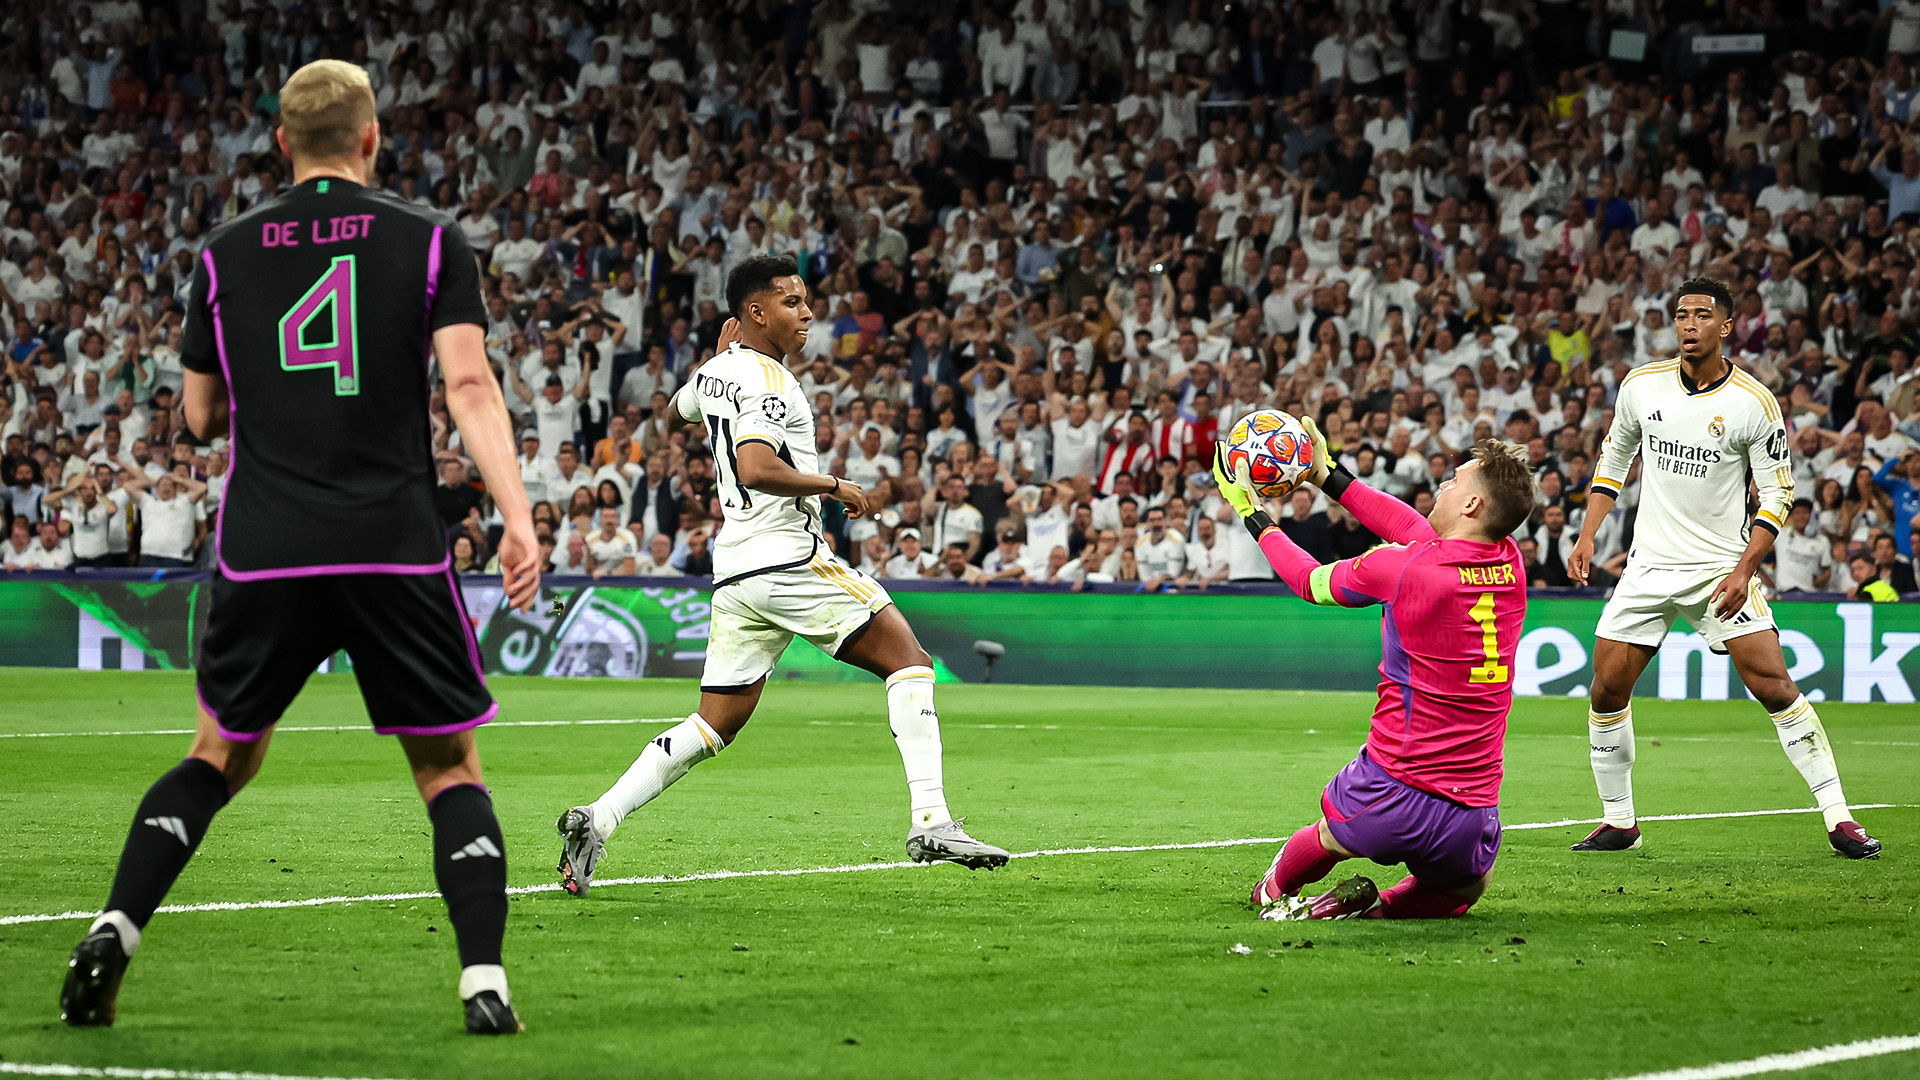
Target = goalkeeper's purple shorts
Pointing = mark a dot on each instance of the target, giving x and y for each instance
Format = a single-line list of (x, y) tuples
[(1444, 844)]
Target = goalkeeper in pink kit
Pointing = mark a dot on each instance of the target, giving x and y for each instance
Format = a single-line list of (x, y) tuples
[(1425, 789)]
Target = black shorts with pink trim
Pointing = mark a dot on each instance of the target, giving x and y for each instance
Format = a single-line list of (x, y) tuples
[(408, 635)]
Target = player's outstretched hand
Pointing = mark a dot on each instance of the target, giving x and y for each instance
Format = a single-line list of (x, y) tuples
[(729, 333), (1234, 487), (851, 496), (1580, 563), (520, 563), (1322, 461)]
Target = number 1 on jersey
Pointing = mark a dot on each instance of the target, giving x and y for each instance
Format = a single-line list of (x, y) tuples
[(1493, 671), (331, 298)]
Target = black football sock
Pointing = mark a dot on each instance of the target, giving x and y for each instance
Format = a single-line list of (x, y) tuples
[(166, 830), (470, 865)]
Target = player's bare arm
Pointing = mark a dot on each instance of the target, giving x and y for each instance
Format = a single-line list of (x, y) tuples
[(474, 402), (1731, 594), (762, 470), (1580, 563), (206, 404)]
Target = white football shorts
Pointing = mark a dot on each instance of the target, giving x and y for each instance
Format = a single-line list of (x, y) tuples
[(756, 618), (1649, 598)]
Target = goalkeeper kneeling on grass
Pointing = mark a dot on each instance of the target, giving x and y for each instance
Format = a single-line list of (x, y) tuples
[(1425, 789)]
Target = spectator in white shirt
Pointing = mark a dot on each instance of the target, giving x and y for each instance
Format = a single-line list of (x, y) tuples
[(573, 559), (867, 463), (172, 522), (641, 383), (601, 72), (956, 521), (611, 551), (970, 281), (1801, 563), (1206, 558), (1003, 127), (18, 551), (90, 517), (567, 476), (656, 562), (1076, 441), (555, 412), (1161, 553), (516, 253), (1003, 63), (535, 466), (1388, 129), (50, 551), (955, 567), (1004, 563), (1783, 195), (913, 561)]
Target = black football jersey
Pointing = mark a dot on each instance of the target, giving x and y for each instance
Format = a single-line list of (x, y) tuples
[(318, 308)]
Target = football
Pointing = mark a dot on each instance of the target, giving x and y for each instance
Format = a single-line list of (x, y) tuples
[(1276, 448)]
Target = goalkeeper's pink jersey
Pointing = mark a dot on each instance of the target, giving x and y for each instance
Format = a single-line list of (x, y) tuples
[(1450, 621)]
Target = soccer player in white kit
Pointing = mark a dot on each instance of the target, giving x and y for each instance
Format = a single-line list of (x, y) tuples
[(775, 578), (1701, 428)]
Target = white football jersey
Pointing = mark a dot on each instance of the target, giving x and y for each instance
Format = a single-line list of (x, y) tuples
[(746, 396), (1697, 450)]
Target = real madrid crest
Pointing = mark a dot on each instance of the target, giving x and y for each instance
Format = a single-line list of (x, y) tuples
[(1718, 428)]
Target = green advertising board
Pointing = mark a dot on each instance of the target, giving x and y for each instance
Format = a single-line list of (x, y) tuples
[(1836, 651)]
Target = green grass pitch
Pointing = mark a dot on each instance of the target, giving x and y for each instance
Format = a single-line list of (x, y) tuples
[(1724, 939)]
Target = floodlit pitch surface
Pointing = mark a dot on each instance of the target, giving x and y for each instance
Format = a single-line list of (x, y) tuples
[(1725, 939)]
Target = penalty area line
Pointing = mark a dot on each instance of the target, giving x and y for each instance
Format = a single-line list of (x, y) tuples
[(851, 868), (1792, 1061)]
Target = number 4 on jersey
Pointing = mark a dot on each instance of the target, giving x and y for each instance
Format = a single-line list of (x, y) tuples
[(330, 299)]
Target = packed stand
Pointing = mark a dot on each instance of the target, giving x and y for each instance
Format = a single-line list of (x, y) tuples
[(1055, 250)]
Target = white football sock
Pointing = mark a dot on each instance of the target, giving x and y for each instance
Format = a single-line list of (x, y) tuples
[(129, 933), (1610, 746), (1806, 744), (916, 730), (477, 977), (666, 759)]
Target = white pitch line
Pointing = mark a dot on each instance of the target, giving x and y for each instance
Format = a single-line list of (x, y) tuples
[(1697, 817), (1793, 1061), (117, 1072), (851, 868), (1790, 1062), (626, 721), (342, 727), (534, 723)]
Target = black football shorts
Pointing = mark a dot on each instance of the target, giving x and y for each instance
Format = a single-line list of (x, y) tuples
[(408, 635)]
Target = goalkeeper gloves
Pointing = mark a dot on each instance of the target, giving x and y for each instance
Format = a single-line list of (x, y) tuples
[(1317, 475), (1326, 474), (1237, 488)]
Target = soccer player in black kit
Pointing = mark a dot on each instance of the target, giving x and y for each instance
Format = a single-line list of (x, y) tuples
[(307, 337)]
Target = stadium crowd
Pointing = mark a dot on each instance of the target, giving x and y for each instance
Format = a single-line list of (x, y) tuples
[(1055, 248)]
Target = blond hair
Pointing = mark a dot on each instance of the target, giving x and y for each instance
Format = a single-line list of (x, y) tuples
[(1508, 483), (324, 108)]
